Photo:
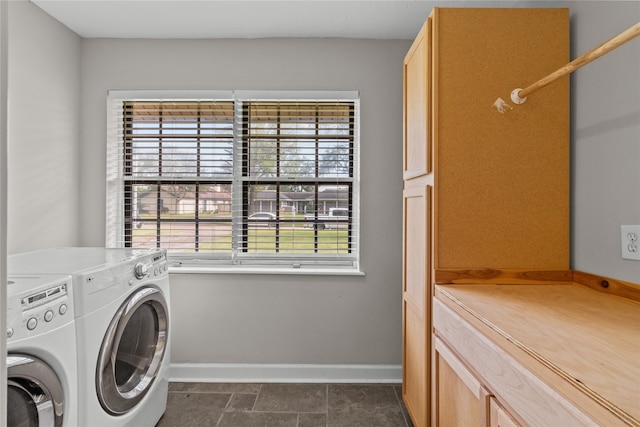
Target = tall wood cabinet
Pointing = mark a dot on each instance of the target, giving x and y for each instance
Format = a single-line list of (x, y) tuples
[(484, 193)]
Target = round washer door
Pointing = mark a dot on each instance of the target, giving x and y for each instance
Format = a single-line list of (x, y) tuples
[(132, 351), (35, 397)]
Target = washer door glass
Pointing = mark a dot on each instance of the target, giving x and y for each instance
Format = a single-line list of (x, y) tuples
[(35, 396), (132, 351)]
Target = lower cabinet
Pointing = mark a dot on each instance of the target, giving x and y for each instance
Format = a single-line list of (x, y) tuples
[(460, 397), (523, 355)]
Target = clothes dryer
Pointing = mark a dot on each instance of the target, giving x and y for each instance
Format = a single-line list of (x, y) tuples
[(42, 380), (122, 330)]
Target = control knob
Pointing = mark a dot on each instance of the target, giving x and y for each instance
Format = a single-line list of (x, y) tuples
[(140, 270)]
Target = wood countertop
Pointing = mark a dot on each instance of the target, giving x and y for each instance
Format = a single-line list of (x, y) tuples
[(586, 338)]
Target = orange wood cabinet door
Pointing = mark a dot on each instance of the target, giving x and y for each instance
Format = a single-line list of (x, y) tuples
[(461, 399), (417, 106), (418, 180), (416, 311), (499, 417)]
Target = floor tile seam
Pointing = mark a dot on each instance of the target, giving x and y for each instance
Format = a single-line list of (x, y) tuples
[(326, 400), (278, 412), (203, 392), (222, 413), (402, 411), (326, 424), (225, 407), (257, 397)]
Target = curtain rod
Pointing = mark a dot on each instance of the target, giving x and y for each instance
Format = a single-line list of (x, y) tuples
[(519, 96)]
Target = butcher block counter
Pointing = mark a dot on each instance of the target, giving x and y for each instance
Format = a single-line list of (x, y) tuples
[(556, 354)]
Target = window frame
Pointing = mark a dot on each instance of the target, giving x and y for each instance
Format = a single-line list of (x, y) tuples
[(301, 263)]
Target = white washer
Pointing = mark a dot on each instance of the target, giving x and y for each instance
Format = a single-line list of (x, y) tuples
[(41, 352), (122, 330)]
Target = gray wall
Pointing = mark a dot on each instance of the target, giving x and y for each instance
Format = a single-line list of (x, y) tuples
[(272, 319), (43, 131), (605, 117)]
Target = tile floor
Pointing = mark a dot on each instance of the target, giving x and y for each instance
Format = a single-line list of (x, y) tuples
[(284, 405)]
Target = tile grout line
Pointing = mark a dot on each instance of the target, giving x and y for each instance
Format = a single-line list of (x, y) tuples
[(256, 401), (223, 409), (326, 408), (399, 399)]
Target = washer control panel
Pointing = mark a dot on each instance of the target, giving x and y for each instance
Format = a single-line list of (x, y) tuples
[(37, 304), (152, 266)]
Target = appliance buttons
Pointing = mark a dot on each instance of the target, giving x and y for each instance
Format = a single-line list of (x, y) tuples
[(48, 316), (32, 323), (62, 309), (9, 332)]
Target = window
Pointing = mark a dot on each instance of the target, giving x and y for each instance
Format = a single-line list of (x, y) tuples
[(235, 179)]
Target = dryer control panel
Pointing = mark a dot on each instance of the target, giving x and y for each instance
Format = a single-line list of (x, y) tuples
[(37, 304)]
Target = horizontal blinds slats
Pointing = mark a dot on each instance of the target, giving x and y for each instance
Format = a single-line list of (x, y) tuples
[(179, 138), (299, 139), (150, 110), (242, 180)]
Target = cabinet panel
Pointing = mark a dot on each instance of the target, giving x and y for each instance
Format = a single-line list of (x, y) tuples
[(417, 147), (416, 302), (416, 249), (499, 416), (415, 381), (461, 400)]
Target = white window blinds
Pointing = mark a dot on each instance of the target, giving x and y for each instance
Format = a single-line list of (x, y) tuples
[(242, 179)]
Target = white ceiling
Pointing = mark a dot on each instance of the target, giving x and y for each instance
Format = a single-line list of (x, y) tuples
[(391, 19)]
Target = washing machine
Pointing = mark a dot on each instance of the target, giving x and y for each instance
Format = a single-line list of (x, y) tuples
[(121, 302), (42, 382)]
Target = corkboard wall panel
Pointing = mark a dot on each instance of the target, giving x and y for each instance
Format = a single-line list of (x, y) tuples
[(502, 181)]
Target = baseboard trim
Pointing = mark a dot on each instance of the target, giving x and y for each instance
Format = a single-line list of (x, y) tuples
[(284, 373)]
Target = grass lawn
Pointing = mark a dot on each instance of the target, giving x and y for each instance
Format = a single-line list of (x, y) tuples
[(299, 240)]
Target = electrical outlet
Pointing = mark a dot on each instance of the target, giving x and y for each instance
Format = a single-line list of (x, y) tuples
[(630, 238)]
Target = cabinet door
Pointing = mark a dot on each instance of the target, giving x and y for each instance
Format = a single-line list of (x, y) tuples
[(416, 298), (461, 399), (418, 184), (417, 111), (499, 416)]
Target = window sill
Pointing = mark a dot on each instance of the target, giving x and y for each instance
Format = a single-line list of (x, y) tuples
[(231, 269)]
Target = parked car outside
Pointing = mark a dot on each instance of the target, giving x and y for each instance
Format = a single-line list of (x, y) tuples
[(335, 219), (262, 219)]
